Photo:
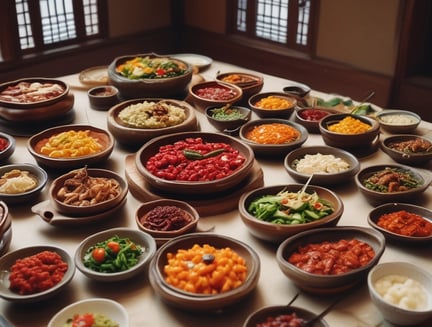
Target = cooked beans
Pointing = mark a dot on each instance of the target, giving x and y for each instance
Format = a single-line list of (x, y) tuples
[(332, 258), (205, 269), (274, 133), (350, 125), (283, 320), (37, 273)]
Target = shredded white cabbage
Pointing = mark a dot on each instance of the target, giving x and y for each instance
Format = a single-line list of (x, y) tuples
[(321, 164)]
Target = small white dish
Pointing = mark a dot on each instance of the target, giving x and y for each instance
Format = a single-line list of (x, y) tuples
[(109, 308)]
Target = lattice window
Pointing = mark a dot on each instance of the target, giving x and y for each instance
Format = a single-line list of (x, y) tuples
[(272, 20), (24, 24)]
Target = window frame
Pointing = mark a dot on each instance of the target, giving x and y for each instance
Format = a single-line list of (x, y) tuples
[(9, 37), (291, 43)]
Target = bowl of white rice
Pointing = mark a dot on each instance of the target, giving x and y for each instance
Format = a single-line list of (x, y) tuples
[(136, 121), (328, 165)]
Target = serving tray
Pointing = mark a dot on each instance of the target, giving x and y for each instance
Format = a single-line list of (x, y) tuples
[(206, 205)]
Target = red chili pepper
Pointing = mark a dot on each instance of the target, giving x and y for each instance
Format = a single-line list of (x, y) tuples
[(85, 320), (161, 72), (3, 144)]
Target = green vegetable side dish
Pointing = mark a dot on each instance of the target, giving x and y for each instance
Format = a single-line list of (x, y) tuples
[(151, 68), (89, 319), (112, 255), (391, 180), (226, 113), (290, 208)]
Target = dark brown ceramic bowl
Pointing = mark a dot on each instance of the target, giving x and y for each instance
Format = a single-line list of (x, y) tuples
[(348, 141), (249, 83), (103, 97), (309, 117), (202, 302), (194, 187), (104, 137), (276, 233), (198, 94), (99, 207), (407, 156), (398, 121), (5, 228), (132, 135), (321, 177), (9, 148), (147, 87), (10, 103), (260, 316), (329, 284), (422, 176), (389, 208), (272, 150), (36, 172), (187, 209), (283, 112), (228, 124), (7, 260)]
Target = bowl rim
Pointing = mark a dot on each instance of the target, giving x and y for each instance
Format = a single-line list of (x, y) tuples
[(407, 265), (397, 111), (91, 91), (385, 208), (378, 236), (258, 78), (245, 110), (29, 251), (90, 240), (352, 170), (193, 87), (33, 169), (168, 202), (304, 134), (36, 104), (7, 152), (404, 137), (375, 126)]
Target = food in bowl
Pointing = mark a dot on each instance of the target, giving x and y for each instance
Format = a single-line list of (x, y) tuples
[(81, 190), (398, 119), (219, 269), (216, 92), (415, 145), (313, 114), (227, 113), (17, 181), (166, 218), (392, 179), (4, 144), (405, 223), (152, 114), (31, 92), (273, 102), (151, 68), (193, 159), (273, 133), (71, 144), (318, 163), (37, 273), (112, 255), (349, 125), (90, 319), (290, 207)]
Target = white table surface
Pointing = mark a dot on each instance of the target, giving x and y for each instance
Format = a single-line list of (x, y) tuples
[(142, 304)]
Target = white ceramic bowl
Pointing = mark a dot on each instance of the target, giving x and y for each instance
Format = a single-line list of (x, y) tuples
[(109, 308), (10, 258), (391, 312), (398, 121), (146, 241)]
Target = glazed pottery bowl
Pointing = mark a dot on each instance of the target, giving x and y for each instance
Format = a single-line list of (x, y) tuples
[(395, 312), (328, 283), (60, 160), (195, 301), (106, 307), (154, 85), (10, 258), (166, 218), (272, 231), (328, 165), (377, 191), (77, 193), (7, 147), (249, 83), (103, 97), (183, 186), (145, 126), (227, 118), (124, 235), (214, 93), (255, 134), (32, 178), (5, 228), (272, 104), (406, 217), (398, 121), (309, 117), (408, 149), (261, 316), (348, 141)]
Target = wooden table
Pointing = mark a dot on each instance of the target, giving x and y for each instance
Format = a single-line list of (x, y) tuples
[(142, 304)]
